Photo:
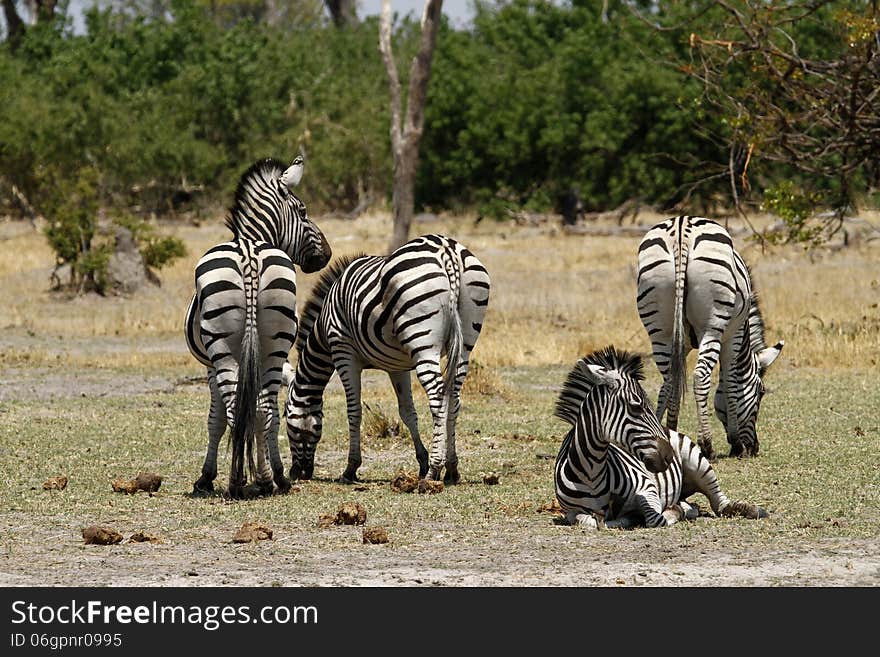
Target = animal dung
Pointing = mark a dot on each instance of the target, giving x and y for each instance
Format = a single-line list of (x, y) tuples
[(145, 481), (550, 507), (407, 482), (96, 535), (491, 479), (350, 513), (375, 535), (144, 537), (430, 486), (251, 532), (404, 482), (55, 483)]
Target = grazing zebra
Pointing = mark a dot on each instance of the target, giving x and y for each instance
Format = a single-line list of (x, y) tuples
[(617, 465), (695, 292), (241, 322), (396, 313)]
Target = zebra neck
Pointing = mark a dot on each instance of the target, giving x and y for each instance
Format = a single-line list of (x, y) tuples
[(742, 368), (313, 372), (589, 453), (754, 327), (251, 231)]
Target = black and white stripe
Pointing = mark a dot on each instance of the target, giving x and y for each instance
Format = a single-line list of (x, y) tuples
[(395, 313), (617, 466), (695, 292), (242, 323)]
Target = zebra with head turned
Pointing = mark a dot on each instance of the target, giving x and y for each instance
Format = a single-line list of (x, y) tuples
[(396, 313), (617, 466), (695, 292), (242, 323)]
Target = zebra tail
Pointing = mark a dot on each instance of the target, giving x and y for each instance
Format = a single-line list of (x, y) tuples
[(246, 396), (454, 342), (678, 357)]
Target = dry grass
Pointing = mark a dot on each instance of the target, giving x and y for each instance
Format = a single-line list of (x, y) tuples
[(554, 296)]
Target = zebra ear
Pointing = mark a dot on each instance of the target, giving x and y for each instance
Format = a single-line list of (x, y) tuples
[(291, 177), (598, 375), (770, 354)]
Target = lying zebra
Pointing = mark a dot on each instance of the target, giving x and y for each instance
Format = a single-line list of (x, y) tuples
[(395, 313), (617, 466)]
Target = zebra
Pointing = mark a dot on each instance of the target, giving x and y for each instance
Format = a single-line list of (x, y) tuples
[(617, 466), (242, 322), (695, 292), (395, 313)]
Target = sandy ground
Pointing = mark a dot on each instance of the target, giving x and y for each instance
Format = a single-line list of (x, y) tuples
[(533, 551), (513, 555)]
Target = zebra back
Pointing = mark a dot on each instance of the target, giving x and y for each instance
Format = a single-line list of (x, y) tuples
[(315, 303)]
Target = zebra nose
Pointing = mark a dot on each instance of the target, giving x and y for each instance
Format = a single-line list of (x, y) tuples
[(319, 258), (658, 461), (315, 262)]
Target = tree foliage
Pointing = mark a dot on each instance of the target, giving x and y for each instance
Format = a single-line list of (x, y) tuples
[(687, 105)]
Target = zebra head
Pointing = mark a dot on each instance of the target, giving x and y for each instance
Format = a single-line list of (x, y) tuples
[(305, 419), (741, 426), (604, 392), (266, 209)]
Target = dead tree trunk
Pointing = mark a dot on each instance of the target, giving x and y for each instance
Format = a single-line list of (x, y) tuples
[(343, 12), (406, 133)]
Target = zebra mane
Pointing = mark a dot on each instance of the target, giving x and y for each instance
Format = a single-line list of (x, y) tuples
[(313, 306), (577, 386), (256, 176), (757, 341)]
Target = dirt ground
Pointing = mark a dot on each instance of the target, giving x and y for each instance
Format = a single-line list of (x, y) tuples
[(513, 555), (47, 550)]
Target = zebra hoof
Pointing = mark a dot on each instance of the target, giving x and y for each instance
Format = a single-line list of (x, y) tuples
[(761, 513), (203, 488), (452, 476), (260, 489), (283, 484), (296, 472), (708, 451), (236, 492), (433, 473)]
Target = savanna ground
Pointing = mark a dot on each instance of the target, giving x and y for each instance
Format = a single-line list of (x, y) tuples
[(97, 389)]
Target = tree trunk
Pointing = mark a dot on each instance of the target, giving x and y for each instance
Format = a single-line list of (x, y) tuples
[(406, 133), (403, 201), (14, 25), (342, 12)]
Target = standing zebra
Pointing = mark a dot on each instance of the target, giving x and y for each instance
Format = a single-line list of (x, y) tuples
[(617, 466), (395, 313), (695, 292), (241, 322)]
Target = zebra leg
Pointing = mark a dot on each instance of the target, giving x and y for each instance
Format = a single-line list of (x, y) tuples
[(406, 409), (698, 476), (586, 520), (216, 429), (452, 475), (271, 425), (660, 345), (627, 521), (263, 483), (710, 350), (655, 515), (431, 378), (350, 374)]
